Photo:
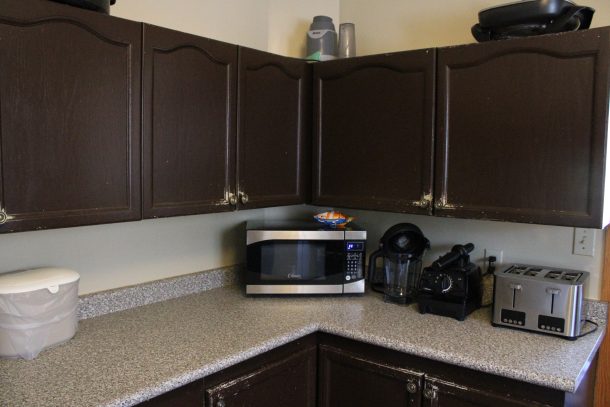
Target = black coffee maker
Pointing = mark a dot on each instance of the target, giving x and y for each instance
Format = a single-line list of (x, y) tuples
[(401, 248), (451, 286)]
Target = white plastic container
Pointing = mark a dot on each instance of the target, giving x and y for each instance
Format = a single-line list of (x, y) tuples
[(37, 310)]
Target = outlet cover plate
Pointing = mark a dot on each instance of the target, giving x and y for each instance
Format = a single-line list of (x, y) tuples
[(584, 242)]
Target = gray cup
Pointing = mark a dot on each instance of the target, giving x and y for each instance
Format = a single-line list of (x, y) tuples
[(347, 40)]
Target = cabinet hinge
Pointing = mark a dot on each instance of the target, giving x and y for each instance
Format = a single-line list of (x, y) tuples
[(4, 217), (424, 202)]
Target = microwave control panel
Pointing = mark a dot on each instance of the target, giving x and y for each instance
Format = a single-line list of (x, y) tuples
[(354, 260)]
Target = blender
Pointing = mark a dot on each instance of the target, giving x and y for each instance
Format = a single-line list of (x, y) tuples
[(401, 249)]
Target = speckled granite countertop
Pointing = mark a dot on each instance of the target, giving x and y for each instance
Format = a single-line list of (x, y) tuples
[(126, 357)]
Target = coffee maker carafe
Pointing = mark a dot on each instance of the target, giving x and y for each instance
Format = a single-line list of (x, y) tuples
[(401, 249)]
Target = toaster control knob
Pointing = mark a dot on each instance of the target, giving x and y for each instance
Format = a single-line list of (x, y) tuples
[(445, 283)]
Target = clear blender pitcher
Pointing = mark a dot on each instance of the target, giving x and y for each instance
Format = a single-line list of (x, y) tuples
[(401, 248)]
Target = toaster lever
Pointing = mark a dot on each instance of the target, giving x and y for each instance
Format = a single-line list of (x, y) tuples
[(515, 287), (553, 292)]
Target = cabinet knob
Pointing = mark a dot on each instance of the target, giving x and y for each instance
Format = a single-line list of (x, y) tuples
[(412, 387), (244, 197), (232, 199), (431, 392)]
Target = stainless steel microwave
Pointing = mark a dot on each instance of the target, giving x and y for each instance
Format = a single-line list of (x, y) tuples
[(304, 258)]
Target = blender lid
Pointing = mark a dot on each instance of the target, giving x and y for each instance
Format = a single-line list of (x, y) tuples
[(404, 239)]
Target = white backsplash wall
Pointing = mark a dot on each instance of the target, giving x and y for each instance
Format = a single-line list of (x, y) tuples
[(121, 254), (520, 243), (398, 25)]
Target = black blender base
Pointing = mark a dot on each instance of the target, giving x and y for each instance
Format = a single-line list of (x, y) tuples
[(455, 310)]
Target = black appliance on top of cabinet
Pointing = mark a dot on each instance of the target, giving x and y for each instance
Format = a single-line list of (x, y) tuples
[(531, 17), (102, 6), (451, 286)]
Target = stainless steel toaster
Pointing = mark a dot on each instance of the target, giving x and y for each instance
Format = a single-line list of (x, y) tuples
[(541, 299)]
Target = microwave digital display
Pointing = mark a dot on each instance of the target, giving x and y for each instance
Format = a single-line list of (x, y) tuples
[(355, 246)]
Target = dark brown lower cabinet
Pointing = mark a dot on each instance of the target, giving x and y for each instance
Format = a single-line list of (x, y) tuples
[(329, 371), (347, 379), (284, 377), (188, 395), (384, 377)]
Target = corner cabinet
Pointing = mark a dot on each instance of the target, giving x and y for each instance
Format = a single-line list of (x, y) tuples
[(274, 130), (284, 377), (189, 93), (522, 129), (221, 135), (347, 379), (69, 117), (373, 132)]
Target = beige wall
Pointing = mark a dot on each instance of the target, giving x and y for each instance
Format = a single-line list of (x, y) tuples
[(398, 25), (277, 26)]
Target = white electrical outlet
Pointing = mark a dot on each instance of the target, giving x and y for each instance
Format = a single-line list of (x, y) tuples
[(584, 242), (498, 253)]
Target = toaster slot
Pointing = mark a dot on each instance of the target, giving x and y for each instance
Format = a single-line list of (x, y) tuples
[(553, 274), (571, 276)]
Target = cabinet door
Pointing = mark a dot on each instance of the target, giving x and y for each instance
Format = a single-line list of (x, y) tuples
[(287, 382), (273, 141), (69, 116), (189, 395), (440, 393), (350, 380), (189, 123), (373, 132), (522, 127)]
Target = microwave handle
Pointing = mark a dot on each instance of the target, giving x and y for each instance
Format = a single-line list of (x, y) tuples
[(258, 236), (373, 264)]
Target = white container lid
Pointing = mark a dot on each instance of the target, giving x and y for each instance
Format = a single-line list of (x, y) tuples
[(36, 279)]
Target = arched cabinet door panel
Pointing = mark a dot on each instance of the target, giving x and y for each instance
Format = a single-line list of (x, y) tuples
[(273, 132), (373, 132), (189, 95), (69, 117), (522, 127)]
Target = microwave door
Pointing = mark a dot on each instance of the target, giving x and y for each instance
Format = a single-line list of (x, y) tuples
[(296, 262)]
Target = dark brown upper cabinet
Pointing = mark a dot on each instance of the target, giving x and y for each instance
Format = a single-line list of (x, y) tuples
[(373, 132), (69, 117), (189, 94), (522, 127), (274, 130)]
